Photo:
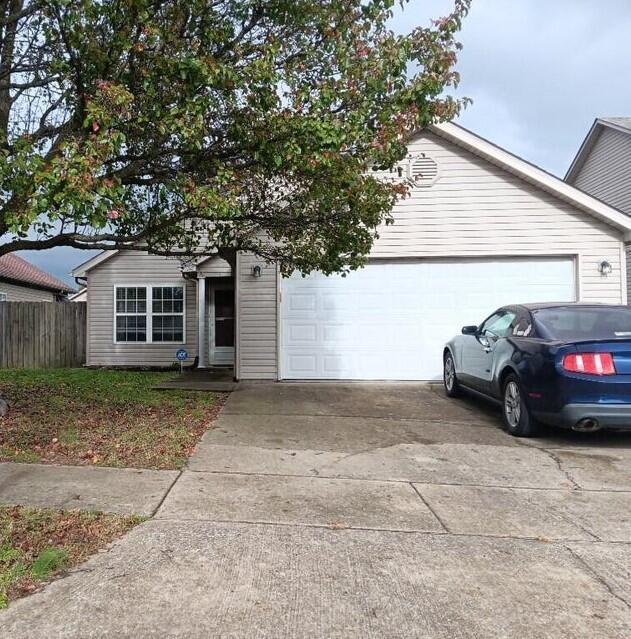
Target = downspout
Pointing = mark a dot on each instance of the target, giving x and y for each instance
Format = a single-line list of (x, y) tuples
[(192, 276)]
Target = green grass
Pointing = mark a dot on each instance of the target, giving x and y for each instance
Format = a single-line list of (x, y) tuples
[(100, 417), (38, 544), (48, 562), (120, 387)]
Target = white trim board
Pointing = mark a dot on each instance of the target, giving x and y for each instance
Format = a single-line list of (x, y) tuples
[(534, 175), (149, 312)]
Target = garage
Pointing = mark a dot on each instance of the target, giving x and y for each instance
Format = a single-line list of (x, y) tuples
[(390, 320), (485, 229)]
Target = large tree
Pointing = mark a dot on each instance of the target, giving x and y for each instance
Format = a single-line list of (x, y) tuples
[(193, 126)]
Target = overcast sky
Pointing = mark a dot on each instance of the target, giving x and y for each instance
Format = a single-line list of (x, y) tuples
[(538, 71)]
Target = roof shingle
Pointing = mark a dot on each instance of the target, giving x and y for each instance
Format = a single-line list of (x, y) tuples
[(15, 268)]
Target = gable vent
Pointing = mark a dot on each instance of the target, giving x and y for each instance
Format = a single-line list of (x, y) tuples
[(423, 171)]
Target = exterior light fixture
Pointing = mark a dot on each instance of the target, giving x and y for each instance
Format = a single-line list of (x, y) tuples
[(256, 271), (604, 267)]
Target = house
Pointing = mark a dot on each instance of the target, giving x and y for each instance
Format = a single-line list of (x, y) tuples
[(20, 281), (80, 296), (602, 167), (481, 228)]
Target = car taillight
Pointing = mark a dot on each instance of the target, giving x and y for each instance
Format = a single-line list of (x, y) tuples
[(589, 363)]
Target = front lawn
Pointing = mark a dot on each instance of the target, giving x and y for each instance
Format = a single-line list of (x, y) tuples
[(38, 544), (101, 417)]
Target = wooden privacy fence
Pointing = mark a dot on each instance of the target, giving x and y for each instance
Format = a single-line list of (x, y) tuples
[(42, 334)]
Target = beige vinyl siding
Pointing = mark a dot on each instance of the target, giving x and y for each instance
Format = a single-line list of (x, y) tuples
[(606, 173), (256, 319), (17, 293), (477, 209), (129, 268), (473, 209), (214, 267)]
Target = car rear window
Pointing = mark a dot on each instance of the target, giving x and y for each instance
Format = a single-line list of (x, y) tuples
[(583, 323)]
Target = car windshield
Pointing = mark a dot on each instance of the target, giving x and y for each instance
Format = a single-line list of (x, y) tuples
[(583, 323)]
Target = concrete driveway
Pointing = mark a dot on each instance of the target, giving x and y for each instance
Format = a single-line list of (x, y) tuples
[(365, 510)]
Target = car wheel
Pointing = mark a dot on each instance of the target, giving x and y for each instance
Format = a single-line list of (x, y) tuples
[(452, 388), (515, 412)]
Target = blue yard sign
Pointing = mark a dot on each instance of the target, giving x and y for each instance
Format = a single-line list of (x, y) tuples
[(181, 355)]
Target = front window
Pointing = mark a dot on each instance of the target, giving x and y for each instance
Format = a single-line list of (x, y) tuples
[(160, 321), (584, 323), (3, 297), (167, 314), (131, 314)]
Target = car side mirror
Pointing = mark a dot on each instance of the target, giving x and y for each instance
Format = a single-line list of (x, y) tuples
[(469, 330)]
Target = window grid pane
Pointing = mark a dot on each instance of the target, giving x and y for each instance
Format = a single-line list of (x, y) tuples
[(131, 328), (131, 309), (167, 328), (167, 306), (168, 299)]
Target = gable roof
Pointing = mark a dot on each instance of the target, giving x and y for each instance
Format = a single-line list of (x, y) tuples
[(18, 270), (82, 269), (622, 124), (500, 157), (534, 175)]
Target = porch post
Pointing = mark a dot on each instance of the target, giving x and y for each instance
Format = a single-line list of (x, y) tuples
[(202, 352)]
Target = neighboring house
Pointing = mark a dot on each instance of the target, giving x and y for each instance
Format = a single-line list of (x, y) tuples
[(80, 296), (20, 281), (482, 228), (602, 168)]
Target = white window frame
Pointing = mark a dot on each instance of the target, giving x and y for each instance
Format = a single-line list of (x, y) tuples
[(3, 296), (149, 311)]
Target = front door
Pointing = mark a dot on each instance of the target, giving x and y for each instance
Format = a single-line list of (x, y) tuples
[(221, 331)]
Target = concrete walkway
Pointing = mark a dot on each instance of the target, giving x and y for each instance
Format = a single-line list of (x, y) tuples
[(220, 380), (334, 511), (115, 490)]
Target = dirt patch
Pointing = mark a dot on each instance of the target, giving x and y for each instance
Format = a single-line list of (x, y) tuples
[(37, 545), (101, 417)]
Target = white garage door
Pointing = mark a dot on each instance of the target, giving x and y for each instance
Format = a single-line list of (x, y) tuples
[(391, 320)]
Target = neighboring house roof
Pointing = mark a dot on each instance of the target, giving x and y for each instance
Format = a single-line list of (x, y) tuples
[(504, 159), (19, 271), (624, 123), (618, 124)]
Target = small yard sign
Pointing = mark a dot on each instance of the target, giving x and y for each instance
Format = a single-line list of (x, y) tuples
[(181, 355)]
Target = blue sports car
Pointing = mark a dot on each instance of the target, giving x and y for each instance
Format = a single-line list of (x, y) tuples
[(566, 365)]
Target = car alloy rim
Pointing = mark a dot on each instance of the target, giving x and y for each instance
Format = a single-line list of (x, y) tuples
[(512, 404), (449, 373)]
